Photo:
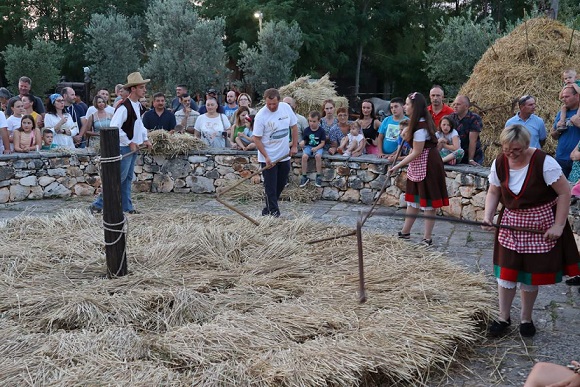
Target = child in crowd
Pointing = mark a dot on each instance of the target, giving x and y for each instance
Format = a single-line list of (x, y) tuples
[(18, 111), (353, 144), (244, 140), (448, 141), (425, 187), (404, 126), (47, 137), (239, 125), (569, 78), (26, 137), (313, 141)]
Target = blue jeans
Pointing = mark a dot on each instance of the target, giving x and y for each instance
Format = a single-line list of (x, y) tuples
[(127, 172), (275, 180)]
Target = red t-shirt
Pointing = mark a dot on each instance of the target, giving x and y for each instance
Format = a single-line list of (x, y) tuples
[(444, 112)]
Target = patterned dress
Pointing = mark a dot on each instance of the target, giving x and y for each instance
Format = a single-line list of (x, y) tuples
[(525, 257), (426, 187)]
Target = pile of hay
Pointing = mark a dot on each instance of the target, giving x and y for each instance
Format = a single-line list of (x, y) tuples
[(249, 192), (171, 144), (211, 301), (310, 95), (530, 60)]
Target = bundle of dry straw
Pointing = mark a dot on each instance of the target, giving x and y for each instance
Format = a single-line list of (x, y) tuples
[(171, 144), (210, 302), (530, 60), (310, 94)]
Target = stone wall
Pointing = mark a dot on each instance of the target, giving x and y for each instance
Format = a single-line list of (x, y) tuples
[(355, 180)]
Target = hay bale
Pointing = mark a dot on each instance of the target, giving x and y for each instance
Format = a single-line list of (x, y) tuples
[(530, 60), (310, 95), (172, 144), (211, 302)]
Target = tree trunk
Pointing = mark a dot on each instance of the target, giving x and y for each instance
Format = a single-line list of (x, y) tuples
[(358, 66)]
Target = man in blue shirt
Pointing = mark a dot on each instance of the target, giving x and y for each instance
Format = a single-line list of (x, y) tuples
[(231, 105), (534, 124), (569, 136), (159, 117)]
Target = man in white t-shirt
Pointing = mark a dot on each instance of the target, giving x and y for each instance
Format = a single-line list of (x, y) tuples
[(271, 127), (132, 134)]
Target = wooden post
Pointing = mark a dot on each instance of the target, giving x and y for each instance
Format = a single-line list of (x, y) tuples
[(112, 208)]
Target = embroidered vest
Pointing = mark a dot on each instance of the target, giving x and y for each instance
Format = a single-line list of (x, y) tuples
[(129, 124)]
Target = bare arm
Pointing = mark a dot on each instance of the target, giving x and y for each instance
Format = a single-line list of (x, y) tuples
[(294, 146), (5, 140), (381, 138), (17, 147), (473, 136), (562, 188), (260, 147), (491, 202)]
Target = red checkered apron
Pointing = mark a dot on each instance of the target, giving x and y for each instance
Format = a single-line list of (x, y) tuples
[(417, 169), (537, 218)]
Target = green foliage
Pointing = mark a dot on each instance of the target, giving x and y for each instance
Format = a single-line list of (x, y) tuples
[(41, 62), (108, 65), (270, 62), (450, 59), (186, 48)]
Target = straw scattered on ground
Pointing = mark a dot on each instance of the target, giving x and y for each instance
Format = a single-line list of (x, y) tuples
[(310, 94), (211, 301), (530, 60), (172, 144), (249, 192)]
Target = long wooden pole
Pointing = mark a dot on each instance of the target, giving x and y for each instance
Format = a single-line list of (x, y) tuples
[(236, 210), (113, 218)]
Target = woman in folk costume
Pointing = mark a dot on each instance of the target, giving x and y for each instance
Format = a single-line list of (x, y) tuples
[(536, 195)]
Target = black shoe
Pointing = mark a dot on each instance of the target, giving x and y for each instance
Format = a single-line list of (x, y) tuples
[(427, 242), (574, 281), (404, 236), (132, 212), (527, 329), (498, 328), (94, 209)]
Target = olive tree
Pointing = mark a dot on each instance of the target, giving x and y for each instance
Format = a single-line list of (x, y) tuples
[(451, 57), (41, 62), (184, 48), (271, 61), (110, 66)]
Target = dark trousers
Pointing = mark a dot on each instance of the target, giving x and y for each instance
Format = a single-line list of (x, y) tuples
[(275, 179), (566, 166)]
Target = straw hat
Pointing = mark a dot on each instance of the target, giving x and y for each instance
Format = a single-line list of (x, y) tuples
[(135, 79)]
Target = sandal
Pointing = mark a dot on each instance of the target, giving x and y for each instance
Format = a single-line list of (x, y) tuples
[(404, 236), (427, 242)]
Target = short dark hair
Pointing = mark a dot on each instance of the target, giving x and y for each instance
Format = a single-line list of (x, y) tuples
[(184, 95), (158, 95), (314, 114), (25, 80), (46, 131), (398, 100), (271, 94), (183, 86)]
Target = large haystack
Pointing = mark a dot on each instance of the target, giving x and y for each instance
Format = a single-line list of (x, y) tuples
[(310, 94), (529, 60), (211, 301), (171, 144)]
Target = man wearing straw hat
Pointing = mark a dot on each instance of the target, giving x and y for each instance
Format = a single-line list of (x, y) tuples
[(271, 127), (132, 134)]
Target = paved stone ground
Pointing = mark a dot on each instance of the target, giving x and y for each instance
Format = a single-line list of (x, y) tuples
[(503, 362)]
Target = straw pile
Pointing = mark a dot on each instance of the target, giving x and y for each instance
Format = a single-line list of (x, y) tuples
[(210, 301), (255, 193), (530, 60), (310, 95), (171, 144)]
